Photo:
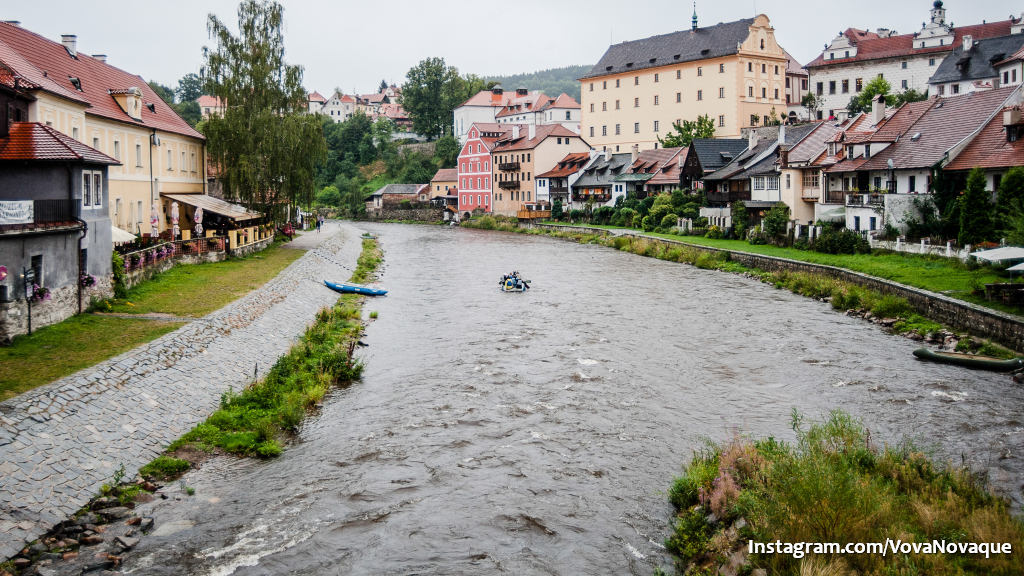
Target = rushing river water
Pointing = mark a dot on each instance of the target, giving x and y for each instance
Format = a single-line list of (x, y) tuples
[(537, 433)]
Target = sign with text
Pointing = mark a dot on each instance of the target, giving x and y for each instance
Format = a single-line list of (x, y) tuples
[(17, 212)]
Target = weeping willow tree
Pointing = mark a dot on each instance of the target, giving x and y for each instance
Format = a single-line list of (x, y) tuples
[(264, 147)]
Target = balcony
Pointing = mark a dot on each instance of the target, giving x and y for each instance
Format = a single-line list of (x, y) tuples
[(39, 215), (509, 185), (810, 194), (508, 166), (528, 214), (716, 197), (865, 200), (557, 189)]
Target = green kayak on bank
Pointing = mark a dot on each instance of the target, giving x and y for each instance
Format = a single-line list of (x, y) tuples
[(970, 360)]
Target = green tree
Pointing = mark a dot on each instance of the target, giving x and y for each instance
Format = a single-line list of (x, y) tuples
[(908, 95), (447, 151), (430, 94), (265, 147), (740, 219), (189, 112), (775, 221), (813, 103), (190, 88), (556, 209), (975, 210), (862, 102), (165, 93), (688, 131), (1010, 198), (329, 196), (383, 86)]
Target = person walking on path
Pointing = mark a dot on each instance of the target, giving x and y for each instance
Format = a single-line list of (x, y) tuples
[(319, 221)]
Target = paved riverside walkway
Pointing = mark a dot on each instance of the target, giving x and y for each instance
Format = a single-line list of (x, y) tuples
[(60, 442)]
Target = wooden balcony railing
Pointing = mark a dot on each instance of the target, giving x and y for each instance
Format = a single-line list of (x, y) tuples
[(508, 166), (509, 185), (533, 214)]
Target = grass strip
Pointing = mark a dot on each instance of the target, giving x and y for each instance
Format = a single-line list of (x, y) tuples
[(251, 422), (61, 349), (198, 289), (834, 485)]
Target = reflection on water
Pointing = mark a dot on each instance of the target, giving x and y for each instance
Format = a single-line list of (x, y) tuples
[(536, 433)]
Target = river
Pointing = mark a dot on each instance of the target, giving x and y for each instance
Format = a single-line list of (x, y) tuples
[(537, 433)]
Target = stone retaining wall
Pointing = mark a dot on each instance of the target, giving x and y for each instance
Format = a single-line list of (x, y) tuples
[(63, 304), (241, 251), (395, 213), (998, 326)]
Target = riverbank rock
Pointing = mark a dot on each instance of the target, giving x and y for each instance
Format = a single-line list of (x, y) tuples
[(90, 540), (126, 542)]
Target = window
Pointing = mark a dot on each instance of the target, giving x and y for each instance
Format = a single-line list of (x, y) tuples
[(776, 70), (955, 88), (700, 94), (656, 125), (942, 89), (764, 68), (754, 119), (721, 120), (655, 76), (856, 223), (750, 91), (655, 99), (810, 180), (591, 106), (86, 189), (636, 102), (764, 92), (821, 89), (679, 97), (636, 128), (903, 65), (117, 150), (138, 155), (568, 115), (878, 182), (679, 74), (904, 84), (591, 131), (37, 267), (617, 80), (617, 105), (604, 85), (721, 92), (604, 130), (74, 132), (636, 80), (832, 87), (700, 71), (96, 143), (787, 83), (846, 86), (859, 84), (788, 181), (912, 184), (803, 83), (97, 188), (931, 61), (776, 93), (721, 68), (182, 165), (192, 163), (750, 66), (591, 86), (604, 106), (618, 129)]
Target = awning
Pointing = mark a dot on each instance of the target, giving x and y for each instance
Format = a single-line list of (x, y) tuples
[(215, 205), (1017, 268), (118, 236), (1000, 254)]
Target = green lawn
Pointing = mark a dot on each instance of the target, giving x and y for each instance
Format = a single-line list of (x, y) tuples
[(195, 291), (78, 342), (943, 275), (85, 340)]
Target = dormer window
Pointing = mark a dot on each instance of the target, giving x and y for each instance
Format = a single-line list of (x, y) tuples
[(76, 82)]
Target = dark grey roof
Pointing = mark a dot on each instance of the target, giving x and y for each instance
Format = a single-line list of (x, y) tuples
[(601, 172), (976, 63), (411, 189), (715, 153), (683, 46)]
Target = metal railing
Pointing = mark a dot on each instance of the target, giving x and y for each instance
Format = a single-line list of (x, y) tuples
[(508, 166), (509, 185), (864, 200), (152, 255)]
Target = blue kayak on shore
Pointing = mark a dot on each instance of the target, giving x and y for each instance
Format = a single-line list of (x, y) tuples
[(348, 288)]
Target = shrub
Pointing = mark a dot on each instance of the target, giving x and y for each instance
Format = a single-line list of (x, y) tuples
[(890, 306), (713, 232), (842, 241), (629, 217), (165, 468), (669, 220), (775, 222)]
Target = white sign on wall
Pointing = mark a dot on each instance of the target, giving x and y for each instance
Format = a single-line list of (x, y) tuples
[(16, 212)]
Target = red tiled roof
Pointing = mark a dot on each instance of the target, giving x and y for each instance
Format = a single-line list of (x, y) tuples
[(793, 65), (571, 164), (563, 101), (315, 96), (670, 170), (524, 142), (48, 65), (990, 149), (1018, 55), (206, 101), (446, 175), (35, 141), (872, 47)]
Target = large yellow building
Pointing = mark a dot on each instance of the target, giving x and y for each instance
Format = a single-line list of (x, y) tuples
[(735, 73), (114, 112)]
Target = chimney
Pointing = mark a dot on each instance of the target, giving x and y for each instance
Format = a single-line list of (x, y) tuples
[(968, 42), (515, 131), (607, 155), (70, 42), (877, 109), (15, 23), (100, 57), (1011, 116), (522, 91), (782, 134), (531, 131), (752, 138), (636, 152)]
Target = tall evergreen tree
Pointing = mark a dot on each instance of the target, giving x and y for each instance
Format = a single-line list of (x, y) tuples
[(264, 146), (975, 210)]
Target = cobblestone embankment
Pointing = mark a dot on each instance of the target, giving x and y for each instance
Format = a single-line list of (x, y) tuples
[(59, 443)]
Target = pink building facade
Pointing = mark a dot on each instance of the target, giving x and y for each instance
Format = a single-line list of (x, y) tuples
[(474, 167)]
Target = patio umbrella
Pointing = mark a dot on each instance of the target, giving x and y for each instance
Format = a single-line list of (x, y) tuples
[(1017, 268), (154, 221), (199, 221), (174, 220), (1000, 254)]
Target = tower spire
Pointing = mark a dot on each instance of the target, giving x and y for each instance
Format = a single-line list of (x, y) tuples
[(694, 20)]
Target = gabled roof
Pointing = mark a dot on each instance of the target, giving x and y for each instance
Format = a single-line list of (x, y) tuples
[(446, 175), (532, 102), (600, 173), (793, 65), (407, 189), (876, 48), (762, 157), (571, 164), (979, 62), (810, 148), (524, 142), (315, 96), (379, 98), (49, 67), (683, 46), (671, 171), (39, 142), (990, 149), (563, 101), (714, 153), (942, 127), (205, 101)]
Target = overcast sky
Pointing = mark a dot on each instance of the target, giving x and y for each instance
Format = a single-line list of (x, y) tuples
[(354, 45)]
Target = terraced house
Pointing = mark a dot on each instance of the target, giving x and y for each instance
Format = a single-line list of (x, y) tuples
[(518, 157), (114, 112), (735, 73)]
